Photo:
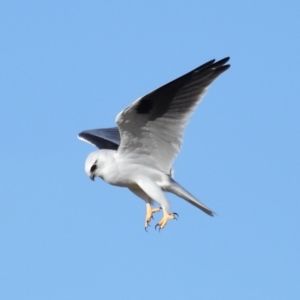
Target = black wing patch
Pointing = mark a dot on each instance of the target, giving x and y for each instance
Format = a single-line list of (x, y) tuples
[(158, 102), (105, 138), (145, 106)]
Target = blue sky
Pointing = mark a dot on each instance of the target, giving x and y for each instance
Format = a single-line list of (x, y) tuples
[(66, 66)]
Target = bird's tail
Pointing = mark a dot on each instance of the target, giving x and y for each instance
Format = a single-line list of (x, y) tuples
[(177, 189)]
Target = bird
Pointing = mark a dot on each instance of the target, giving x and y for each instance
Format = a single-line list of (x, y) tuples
[(139, 153)]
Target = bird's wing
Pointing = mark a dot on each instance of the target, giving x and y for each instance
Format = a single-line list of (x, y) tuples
[(152, 127), (106, 138)]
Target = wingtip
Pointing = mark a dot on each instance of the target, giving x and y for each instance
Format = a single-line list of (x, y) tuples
[(222, 62), (81, 138), (226, 59)]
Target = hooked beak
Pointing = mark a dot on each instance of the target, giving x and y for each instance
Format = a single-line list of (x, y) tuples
[(92, 176)]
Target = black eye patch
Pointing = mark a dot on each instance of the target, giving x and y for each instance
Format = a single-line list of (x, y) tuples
[(93, 168)]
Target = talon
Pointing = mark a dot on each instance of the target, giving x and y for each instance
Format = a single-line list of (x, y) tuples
[(159, 228), (149, 213), (166, 217)]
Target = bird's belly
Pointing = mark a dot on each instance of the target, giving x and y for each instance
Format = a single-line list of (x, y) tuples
[(127, 175), (123, 176), (119, 181)]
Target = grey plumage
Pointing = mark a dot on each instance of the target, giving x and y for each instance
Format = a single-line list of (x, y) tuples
[(139, 153)]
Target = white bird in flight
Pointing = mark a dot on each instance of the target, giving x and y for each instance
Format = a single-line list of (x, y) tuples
[(139, 153)]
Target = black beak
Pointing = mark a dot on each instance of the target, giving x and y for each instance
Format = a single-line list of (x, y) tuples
[(92, 176)]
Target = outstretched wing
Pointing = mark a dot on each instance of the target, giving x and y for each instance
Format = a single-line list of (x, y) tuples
[(152, 127), (106, 138)]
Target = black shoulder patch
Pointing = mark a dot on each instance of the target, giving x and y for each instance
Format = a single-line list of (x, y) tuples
[(145, 106)]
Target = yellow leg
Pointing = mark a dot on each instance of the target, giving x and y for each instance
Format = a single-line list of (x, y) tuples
[(166, 217), (149, 214)]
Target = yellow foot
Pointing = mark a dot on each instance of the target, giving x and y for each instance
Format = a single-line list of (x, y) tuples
[(149, 214), (162, 223)]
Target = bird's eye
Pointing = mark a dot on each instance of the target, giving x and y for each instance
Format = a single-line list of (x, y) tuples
[(93, 168)]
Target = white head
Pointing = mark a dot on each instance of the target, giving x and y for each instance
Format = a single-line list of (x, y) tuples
[(91, 164)]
